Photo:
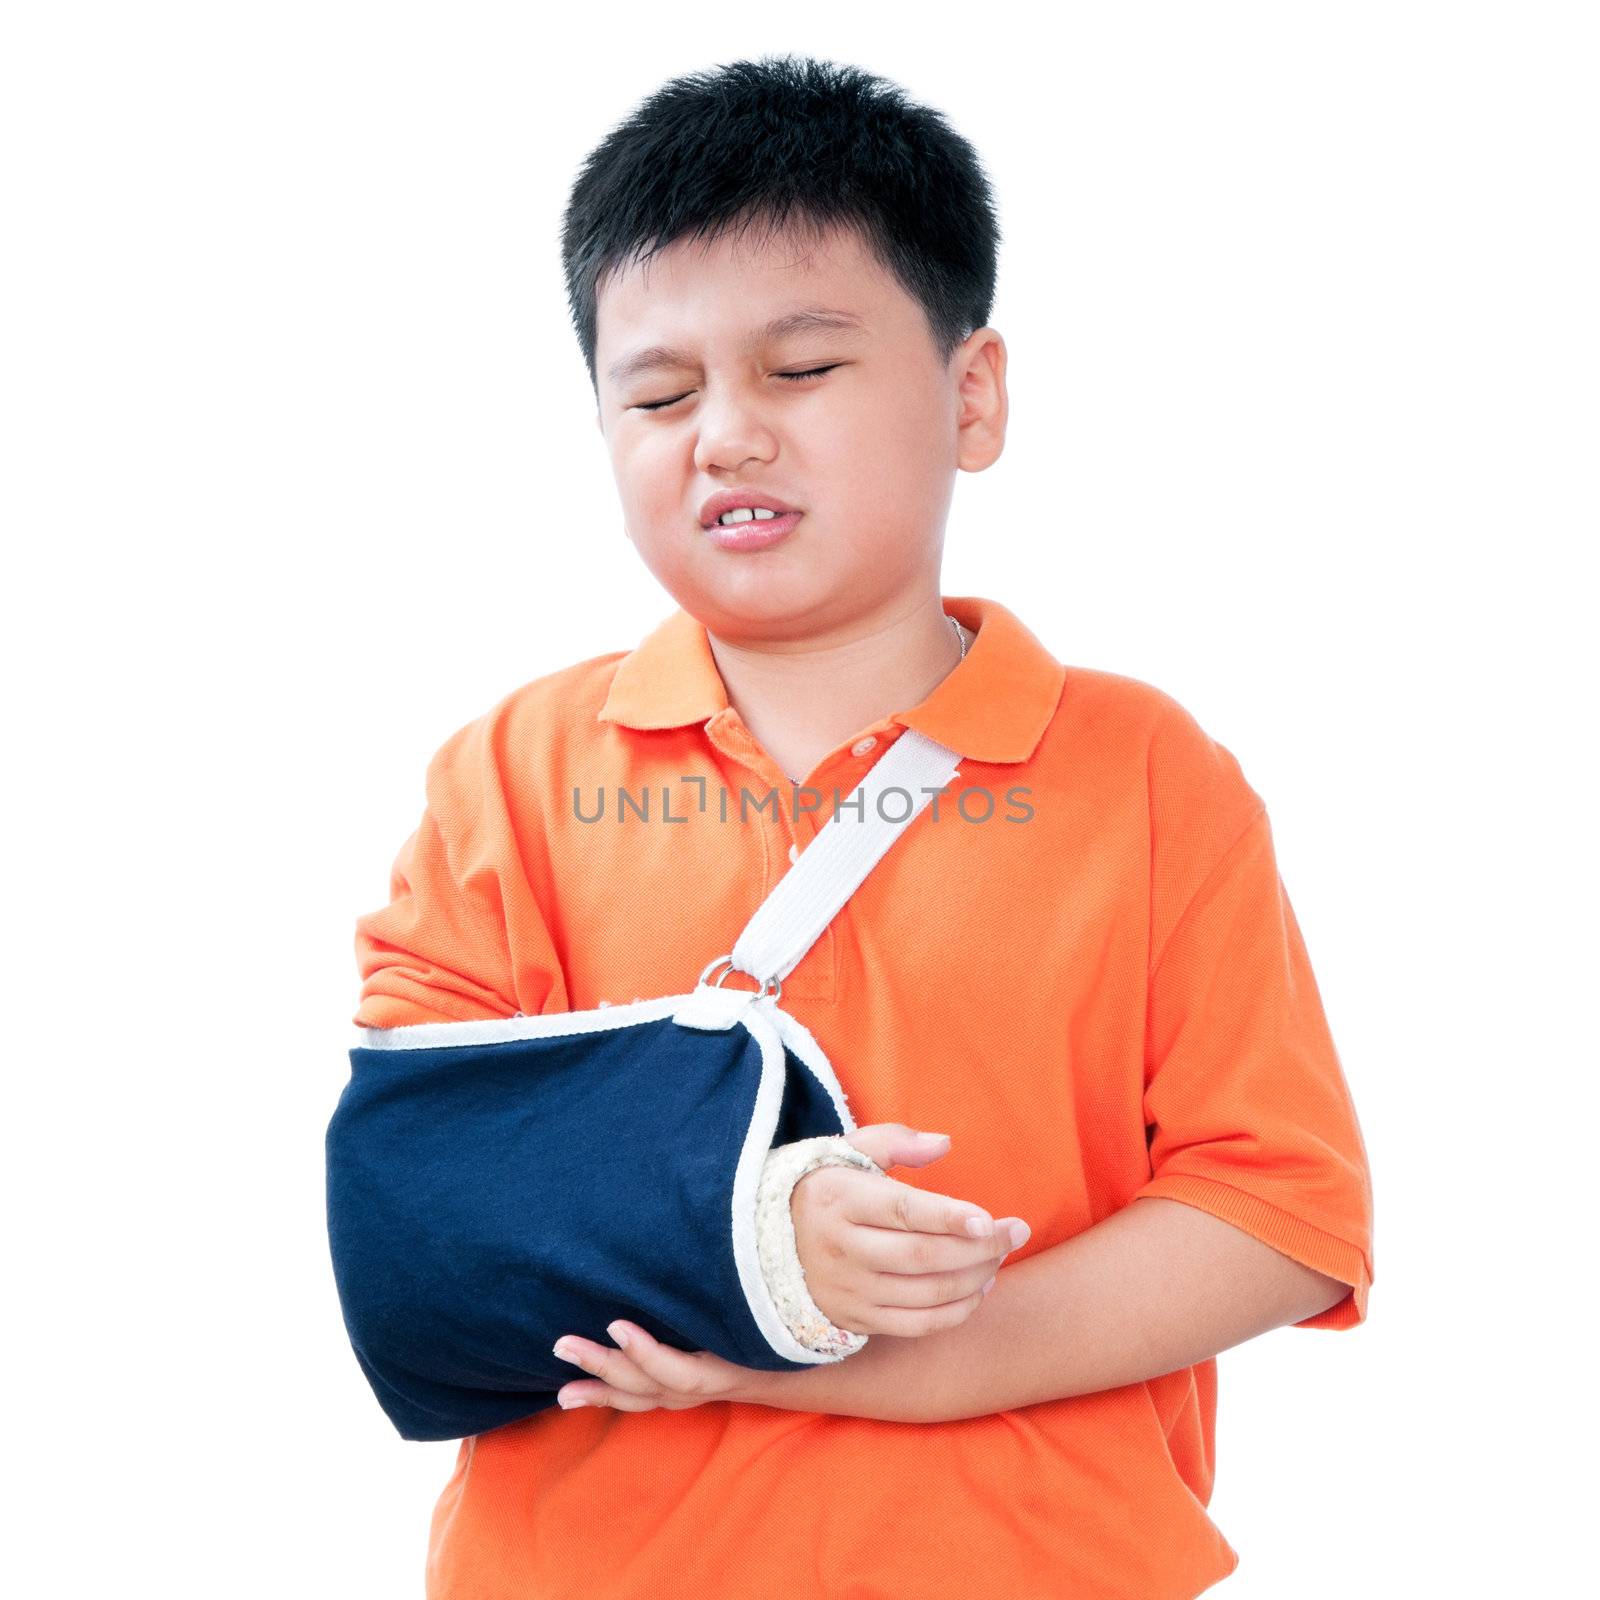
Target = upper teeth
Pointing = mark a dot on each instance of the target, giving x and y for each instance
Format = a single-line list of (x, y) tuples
[(746, 514)]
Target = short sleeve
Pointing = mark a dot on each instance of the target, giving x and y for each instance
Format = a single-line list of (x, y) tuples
[(1247, 1111), (462, 937)]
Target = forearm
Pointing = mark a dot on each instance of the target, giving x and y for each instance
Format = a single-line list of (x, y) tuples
[(1157, 1286)]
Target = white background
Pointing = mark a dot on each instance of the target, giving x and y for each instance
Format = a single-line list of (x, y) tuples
[(301, 474)]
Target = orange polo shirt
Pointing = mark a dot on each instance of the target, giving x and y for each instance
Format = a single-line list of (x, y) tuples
[(1079, 962)]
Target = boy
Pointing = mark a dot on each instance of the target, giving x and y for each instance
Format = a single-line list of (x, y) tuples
[(1080, 964)]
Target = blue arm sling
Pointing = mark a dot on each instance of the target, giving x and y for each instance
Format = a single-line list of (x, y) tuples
[(493, 1185)]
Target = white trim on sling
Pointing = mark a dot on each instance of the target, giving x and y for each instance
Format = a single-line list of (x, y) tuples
[(828, 871)]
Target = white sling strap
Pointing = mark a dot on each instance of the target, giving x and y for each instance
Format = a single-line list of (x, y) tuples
[(847, 847)]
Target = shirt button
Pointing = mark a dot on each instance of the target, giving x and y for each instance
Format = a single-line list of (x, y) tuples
[(861, 746), (794, 852)]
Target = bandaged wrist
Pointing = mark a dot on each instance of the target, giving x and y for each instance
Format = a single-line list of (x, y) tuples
[(785, 1278)]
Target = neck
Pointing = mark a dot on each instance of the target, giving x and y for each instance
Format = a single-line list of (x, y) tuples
[(801, 698)]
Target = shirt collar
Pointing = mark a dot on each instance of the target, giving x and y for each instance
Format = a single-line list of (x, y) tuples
[(994, 705)]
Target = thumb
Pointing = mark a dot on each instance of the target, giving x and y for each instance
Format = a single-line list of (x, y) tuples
[(893, 1144)]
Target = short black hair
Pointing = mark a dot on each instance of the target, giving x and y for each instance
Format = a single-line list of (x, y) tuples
[(782, 143)]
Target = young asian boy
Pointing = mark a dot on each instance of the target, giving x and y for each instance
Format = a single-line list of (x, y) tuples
[(1081, 964)]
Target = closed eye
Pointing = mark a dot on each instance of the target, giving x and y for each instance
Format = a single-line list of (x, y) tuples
[(788, 377), (814, 372)]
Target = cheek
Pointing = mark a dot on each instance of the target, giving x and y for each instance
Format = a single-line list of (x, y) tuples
[(666, 540), (879, 454), (642, 465), (924, 435)]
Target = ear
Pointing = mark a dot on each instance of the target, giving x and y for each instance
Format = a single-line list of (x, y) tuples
[(981, 370)]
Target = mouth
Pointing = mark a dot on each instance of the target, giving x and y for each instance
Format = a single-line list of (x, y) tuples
[(756, 534)]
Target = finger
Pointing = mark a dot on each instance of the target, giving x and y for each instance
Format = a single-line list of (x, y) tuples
[(681, 1374), (910, 1323), (611, 1366), (572, 1396), (924, 1290), (892, 1250), (884, 1202)]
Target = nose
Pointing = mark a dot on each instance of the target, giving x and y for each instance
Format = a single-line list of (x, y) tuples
[(730, 432)]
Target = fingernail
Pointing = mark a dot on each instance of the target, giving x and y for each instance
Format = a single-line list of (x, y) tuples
[(1020, 1234), (567, 1404), (937, 1138), (990, 1284), (619, 1333), (980, 1227)]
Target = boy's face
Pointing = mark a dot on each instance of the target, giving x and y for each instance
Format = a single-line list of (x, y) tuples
[(866, 451)]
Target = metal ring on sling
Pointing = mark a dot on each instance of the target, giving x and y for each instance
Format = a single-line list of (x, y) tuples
[(776, 989)]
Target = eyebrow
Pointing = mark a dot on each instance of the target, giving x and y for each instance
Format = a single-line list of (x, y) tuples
[(806, 319)]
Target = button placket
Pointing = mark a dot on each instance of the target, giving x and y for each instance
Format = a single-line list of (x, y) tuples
[(816, 976)]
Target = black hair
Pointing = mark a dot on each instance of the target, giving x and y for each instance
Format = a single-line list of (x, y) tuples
[(788, 143)]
